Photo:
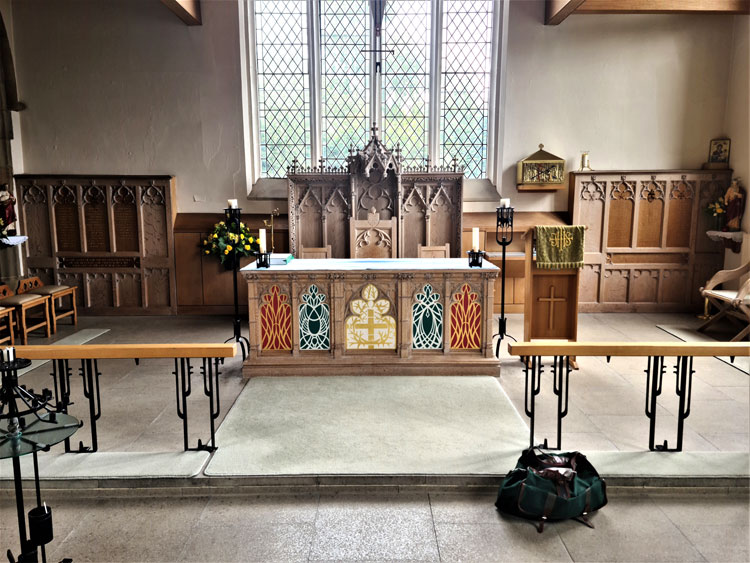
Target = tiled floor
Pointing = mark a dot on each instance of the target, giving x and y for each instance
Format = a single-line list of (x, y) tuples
[(606, 412), (403, 527)]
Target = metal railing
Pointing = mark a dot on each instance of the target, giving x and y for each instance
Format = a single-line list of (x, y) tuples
[(532, 354)]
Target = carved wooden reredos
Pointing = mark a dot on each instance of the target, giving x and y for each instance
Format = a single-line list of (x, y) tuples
[(326, 202)]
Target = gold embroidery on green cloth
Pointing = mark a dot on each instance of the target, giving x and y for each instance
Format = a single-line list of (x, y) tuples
[(559, 247)]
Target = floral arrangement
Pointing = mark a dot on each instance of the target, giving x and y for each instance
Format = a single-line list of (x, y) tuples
[(222, 243), (716, 208)]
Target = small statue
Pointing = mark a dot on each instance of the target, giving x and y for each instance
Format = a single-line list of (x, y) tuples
[(734, 200), (7, 212)]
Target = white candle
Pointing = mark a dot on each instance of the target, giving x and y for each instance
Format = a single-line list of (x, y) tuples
[(505, 202), (475, 239), (232, 203), (262, 240)]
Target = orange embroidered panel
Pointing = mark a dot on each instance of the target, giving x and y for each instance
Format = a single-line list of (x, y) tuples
[(466, 320), (275, 321)]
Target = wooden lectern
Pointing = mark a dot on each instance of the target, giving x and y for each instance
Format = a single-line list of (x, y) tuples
[(551, 305)]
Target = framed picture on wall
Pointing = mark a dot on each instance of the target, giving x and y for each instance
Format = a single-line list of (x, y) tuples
[(718, 151)]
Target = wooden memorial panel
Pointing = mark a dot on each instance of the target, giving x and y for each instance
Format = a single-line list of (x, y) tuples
[(67, 231), (646, 245), (96, 219), (93, 239)]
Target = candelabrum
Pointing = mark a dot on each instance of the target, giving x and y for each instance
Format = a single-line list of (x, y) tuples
[(233, 215), (503, 236), (29, 423)]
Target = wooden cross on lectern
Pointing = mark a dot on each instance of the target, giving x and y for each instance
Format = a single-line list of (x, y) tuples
[(551, 300)]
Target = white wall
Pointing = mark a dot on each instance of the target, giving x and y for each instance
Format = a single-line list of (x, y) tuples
[(737, 124), (124, 87), (638, 91)]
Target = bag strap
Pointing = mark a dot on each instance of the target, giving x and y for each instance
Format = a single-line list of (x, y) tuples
[(583, 518), (549, 506)]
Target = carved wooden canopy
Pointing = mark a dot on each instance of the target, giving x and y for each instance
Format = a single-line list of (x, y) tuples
[(416, 206)]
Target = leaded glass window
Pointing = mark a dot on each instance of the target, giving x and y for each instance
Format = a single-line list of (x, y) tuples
[(283, 84), (465, 83), (345, 77), (406, 78)]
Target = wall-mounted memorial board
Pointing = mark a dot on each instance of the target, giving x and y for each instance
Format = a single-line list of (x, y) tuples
[(328, 205), (109, 235)]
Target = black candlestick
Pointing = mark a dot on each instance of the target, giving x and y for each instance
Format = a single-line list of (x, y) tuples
[(503, 236), (233, 215)]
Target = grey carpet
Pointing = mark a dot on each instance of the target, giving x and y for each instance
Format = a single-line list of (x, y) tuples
[(690, 335), (79, 337), (109, 465), (371, 426)]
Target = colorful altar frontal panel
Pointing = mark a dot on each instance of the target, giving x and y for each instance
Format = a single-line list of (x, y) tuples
[(382, 318)]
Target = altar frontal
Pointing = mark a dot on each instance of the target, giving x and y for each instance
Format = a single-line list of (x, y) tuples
[(371, 317)]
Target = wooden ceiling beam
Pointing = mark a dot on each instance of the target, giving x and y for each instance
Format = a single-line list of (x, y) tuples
[(558, 10), (663, 7), (189, 11)]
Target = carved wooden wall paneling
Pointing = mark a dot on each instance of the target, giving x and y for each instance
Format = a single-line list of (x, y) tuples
[(646, 246), (111, 236), (425, 201)]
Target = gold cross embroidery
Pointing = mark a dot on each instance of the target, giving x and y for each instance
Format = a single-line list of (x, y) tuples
[(370, 326)]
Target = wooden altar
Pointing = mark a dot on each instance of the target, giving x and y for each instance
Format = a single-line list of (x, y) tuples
[(371, 317)]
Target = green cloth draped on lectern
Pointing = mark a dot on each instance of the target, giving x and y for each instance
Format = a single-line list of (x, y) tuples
[(559, 247)]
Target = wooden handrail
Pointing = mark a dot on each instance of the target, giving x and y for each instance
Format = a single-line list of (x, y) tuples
[(126, 351), (739, 349)]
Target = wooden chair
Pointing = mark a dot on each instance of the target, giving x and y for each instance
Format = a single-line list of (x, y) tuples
[(372, 237), (56, 293), (442, 251), (6, 323), (307, 252), (22, 304), (731, 303)]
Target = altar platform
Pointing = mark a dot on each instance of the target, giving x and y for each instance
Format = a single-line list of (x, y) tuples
[(371, 317)]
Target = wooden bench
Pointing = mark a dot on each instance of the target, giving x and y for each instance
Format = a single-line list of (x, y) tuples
[(56, 293), (22, 304)]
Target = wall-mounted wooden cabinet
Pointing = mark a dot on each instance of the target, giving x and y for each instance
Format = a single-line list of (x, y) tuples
[(646, 246)]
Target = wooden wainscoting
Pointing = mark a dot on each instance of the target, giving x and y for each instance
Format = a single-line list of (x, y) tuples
[(204, 286)]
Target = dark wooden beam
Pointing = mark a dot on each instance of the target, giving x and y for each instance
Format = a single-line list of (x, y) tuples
[(189, 11), (558, 10), (664, 7)]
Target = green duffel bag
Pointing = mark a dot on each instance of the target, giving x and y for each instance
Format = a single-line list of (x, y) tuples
[(552, 486)]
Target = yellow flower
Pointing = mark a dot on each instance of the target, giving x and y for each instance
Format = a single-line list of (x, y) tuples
[(229, 247), (247, 247), (242, 224), (250, 240), (208, 252), (242, 235), (216, 236), (221, 223), (205, 241), (226, 251)]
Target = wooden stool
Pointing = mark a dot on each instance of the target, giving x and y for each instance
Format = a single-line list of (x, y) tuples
[(6, 316), (22, 304), (55, 293)]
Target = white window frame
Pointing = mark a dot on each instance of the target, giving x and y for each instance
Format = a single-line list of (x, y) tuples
[(249, 82)]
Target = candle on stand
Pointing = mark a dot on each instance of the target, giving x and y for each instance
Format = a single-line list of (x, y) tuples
[(475, 239), (262, 240), (505, 202), (232, 203)]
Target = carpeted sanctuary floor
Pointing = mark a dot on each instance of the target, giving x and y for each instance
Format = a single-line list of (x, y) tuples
[(369, 425)]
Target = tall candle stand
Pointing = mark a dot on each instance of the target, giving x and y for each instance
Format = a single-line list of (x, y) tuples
[(503, 236), (233, 215), (35, 426)]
